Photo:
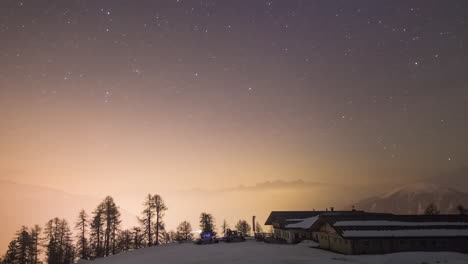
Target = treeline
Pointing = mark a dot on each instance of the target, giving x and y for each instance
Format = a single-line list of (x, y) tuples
[(98, 234), (432, 209)]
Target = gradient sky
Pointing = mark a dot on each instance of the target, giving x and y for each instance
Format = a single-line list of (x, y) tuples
[(118, 95)]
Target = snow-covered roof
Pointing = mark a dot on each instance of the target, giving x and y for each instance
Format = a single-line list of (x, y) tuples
[(406, 233), (284, 216), (353, 226), (397, 223), (303, 224)]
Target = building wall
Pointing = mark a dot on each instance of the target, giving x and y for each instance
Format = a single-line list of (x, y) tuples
[(335, 243), (381, 246), (292, 235), (329, 239)]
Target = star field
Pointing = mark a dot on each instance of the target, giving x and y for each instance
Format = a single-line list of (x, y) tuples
[(320, 90)]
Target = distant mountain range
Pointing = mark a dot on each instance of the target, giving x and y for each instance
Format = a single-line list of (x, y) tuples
[(414, 198)]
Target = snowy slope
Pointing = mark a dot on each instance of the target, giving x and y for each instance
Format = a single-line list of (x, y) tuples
[(256, 252), (414, 198)]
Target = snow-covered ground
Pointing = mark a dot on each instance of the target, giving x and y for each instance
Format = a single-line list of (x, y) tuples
[(256, 252)]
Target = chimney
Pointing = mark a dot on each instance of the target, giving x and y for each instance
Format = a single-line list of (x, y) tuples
[(253, 223)]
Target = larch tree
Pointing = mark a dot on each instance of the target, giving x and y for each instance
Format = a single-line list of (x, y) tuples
[(24, 243), (431, 209), (159, 208), (184, 232), (171, 236), (138, 238), (147, 219), (11, 256), (243, 227), (258, 227), (462, 210), (124, 240), (81, 226), (97, 232), (35, 243), (207, 225), (224, 227), (24, 248), (59, 243), (111, 222)]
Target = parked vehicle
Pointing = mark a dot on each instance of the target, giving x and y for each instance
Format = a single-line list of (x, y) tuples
[(206, 239), (233, 236)]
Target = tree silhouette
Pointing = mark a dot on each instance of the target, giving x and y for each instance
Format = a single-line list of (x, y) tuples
[(11, 256), (97, 232), (184, 232), (81, 226), (59, 246), (243, 227), (138, 238), (147, 219), (35, 238), (462, 210), (112, 222), (431, 209), (258, 227), (207, 224), (124, 241), (224, 227), (159, 208)]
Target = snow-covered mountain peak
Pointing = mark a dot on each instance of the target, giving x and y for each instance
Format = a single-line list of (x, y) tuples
[(414, 198), (417, 189)]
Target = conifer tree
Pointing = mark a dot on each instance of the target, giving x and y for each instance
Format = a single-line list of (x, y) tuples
[(59, 243), (243, 227), (207, 224), (24, 246), (97, 232), (159, 208), (11, 256), (258, 227), (170, 237), (138, 238), (224, 227), (147, 219), (111, 222), (184, 232), (124, 241), (431, 209), (81, 226), (462, 210), (35, 239)]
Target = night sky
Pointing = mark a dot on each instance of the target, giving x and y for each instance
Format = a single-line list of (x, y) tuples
[(220, 93)]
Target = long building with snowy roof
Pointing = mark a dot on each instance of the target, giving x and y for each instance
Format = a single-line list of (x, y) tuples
[(379, 234)]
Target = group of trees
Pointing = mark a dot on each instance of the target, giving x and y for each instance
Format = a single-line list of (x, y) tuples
[(24, 249), (97, 235), (152, 219), (100, 234), (432, 209)]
